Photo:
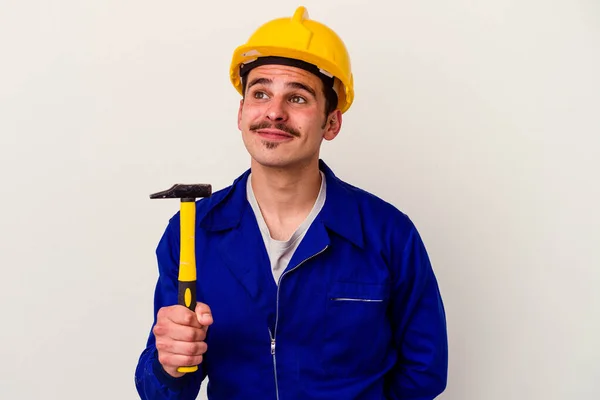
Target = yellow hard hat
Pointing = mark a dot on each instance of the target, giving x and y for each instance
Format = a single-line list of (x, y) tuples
[(299, 38)]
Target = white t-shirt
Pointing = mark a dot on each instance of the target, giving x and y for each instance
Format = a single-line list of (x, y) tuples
[(281, 251)]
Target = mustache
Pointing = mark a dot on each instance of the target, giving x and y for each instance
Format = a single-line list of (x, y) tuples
[(280, 126)]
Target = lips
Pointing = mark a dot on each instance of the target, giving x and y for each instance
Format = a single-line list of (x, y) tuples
[(274, 134)]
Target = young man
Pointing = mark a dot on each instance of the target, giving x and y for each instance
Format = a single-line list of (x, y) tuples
[(308, 287)]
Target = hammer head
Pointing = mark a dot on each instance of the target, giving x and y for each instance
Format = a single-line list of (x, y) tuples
[(182, 191)]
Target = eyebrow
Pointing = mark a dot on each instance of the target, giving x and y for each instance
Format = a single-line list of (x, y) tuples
[(296, 85), (259, 81)]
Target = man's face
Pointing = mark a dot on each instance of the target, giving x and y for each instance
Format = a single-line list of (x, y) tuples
[(282, 116)]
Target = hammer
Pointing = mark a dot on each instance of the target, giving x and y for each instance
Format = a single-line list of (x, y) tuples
[(187, 193)]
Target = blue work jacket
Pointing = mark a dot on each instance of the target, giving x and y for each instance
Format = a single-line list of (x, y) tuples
[(357, 313)]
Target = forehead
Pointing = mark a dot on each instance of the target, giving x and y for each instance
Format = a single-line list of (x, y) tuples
[(285, 74)]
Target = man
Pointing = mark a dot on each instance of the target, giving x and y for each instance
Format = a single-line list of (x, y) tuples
[(308, 287)]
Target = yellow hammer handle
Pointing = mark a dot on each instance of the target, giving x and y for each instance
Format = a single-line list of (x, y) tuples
[(187, 261)]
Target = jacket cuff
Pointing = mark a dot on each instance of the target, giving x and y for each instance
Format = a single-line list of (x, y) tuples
[(165, 379)]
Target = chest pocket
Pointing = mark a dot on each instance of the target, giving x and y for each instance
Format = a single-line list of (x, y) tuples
[(357, 292), (357, 329)]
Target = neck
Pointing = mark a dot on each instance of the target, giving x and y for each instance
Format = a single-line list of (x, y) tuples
[(286, 194)]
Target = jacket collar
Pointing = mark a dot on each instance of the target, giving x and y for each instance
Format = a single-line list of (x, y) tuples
[(340, 213)]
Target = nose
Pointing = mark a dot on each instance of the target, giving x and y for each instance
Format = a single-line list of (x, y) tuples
[(276, 111)]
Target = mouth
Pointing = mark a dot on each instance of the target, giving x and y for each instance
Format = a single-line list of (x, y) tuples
[(274, 134)]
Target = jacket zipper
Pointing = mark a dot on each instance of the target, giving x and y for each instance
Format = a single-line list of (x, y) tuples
[(274, 362), (273, 336)]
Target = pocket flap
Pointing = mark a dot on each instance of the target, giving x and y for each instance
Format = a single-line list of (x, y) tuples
[(357, 291)]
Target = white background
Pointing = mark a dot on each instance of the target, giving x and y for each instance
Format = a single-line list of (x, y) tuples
[(478, 119)]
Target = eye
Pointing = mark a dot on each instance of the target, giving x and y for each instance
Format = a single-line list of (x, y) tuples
[(298, 99), (259, 95)]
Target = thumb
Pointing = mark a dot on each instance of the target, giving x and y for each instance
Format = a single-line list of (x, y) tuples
[(204, 314)]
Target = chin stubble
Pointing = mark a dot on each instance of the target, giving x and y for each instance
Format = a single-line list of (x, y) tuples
[(270, 145)]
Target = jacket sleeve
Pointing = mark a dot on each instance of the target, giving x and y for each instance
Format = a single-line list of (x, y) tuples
[(151, 380), (420, 334)]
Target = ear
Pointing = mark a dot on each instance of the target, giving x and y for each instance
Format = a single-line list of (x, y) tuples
[(333, 126), (240, 114)]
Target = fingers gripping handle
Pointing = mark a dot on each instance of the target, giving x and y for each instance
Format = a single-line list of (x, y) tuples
[(187, 262), (187, 297)]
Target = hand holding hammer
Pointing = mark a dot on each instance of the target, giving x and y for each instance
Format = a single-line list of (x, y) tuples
[(180, 330)]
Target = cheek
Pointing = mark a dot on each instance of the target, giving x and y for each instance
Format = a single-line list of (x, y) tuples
[(248, 115), (313, 130)]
